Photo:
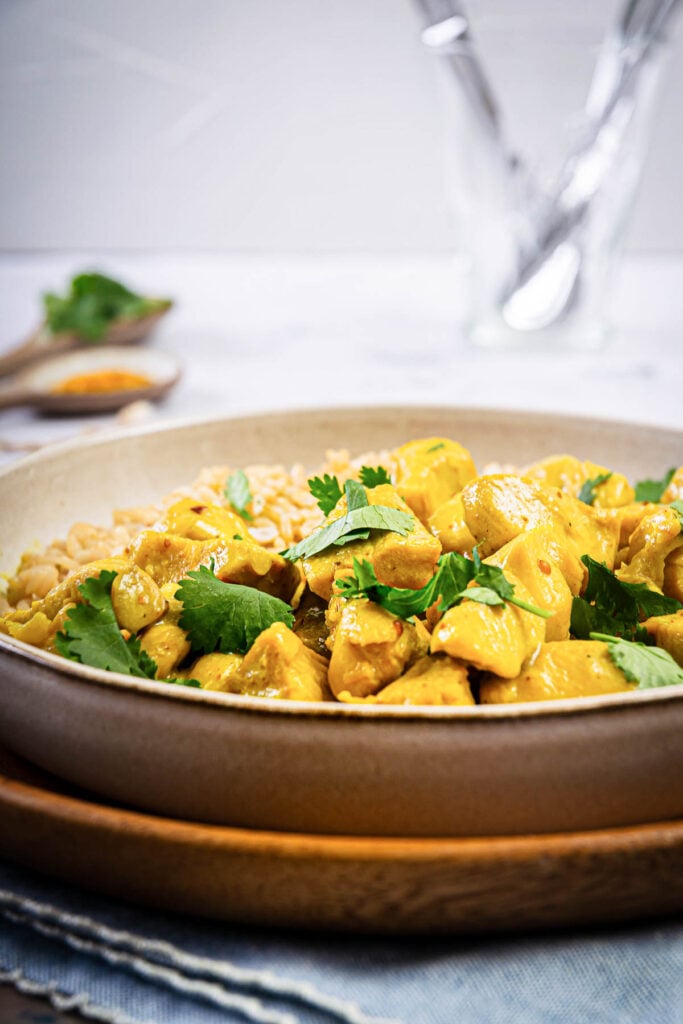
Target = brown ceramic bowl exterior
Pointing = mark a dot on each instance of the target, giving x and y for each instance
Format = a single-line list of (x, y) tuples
[(329, 768)]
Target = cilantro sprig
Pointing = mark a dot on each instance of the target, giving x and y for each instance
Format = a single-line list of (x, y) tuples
[(587, 493), (238, 493), (373, 476), (616, 608), (650, 667), (326, 490), (652, 490), (91, 303), (226, 617), (92, 635), (451, 584), (360, 518)]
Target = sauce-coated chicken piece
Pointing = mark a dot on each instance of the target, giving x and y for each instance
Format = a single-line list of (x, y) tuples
[(495, 638), (657, 535), (667, 631), (674, 489), (570, 474), (196, 521), (673, 574), (167, 645), (370, 646), (214, 671), (534, 559), (167, 558), (568, 668), (449, 526), (501, 506), (136, 600), (430, 471), (433, 680), (398, 561), (280, 665)]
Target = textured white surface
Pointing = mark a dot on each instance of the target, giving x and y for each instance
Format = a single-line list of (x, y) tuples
[(264, 333)]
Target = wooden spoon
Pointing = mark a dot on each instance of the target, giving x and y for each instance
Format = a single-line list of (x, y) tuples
[(43, 344), (36, 385)]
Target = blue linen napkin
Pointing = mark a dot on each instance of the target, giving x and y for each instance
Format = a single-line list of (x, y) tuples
[(125, 965)]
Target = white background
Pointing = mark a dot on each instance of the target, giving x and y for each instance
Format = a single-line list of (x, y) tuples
[(279, 125)]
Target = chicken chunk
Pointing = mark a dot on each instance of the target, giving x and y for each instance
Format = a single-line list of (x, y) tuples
[(167, 558), (196, 521), (673, 574), (657, 535), (214, 671), (448, 524), (167, 645), (430, 471), (495, 638), (280, 665), (398, 561), (432, 680), (370, 646), (568, 668), (501, 506), (667, 631), (674, 489), (534, 559), (570, 474)]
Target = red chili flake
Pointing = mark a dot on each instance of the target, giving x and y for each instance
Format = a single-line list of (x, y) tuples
[(544, 567), (198, 509), (398, 626)]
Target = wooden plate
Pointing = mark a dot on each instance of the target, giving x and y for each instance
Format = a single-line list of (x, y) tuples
[(334, 882)]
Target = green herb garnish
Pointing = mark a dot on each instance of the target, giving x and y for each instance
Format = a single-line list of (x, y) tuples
[(92, 302), (652, 490), (650, 667), (587, 493), (226, 617), (356, 524), (450, 585), (326, 490), (238, 493), (436, 447), (373, 477), (613, 607), (92, 635)]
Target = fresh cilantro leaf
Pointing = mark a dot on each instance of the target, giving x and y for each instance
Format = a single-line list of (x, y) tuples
[(652, 490), (354, 525), (92, 635), (238, 493), (183, 682), (374, 477), (326, 491), (650, 667), (91, 303), (611, 606), (226, 617), (587, 492), (449, 585), (677, 506), (356, 495)]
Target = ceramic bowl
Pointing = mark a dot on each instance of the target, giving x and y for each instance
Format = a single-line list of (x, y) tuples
[(329, 768)]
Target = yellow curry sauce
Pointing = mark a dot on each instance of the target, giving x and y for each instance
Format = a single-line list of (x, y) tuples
[(354, 629)]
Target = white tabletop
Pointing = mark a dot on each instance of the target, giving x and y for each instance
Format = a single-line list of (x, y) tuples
[(257, 333)]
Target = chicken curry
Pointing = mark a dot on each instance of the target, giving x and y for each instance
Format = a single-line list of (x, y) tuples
[(425, 583)]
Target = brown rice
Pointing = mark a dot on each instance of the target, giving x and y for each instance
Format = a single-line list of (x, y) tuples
[(283, 508)]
